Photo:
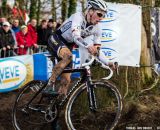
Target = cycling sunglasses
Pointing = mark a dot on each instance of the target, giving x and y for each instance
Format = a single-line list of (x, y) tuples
[(100, 15)]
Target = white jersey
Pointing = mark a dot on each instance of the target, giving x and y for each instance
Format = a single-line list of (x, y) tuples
[(75, 28)]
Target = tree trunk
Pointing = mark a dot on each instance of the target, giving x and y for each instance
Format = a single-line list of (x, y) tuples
[(145, 57), (72, 7), (64, 10), (38, 11), (33, 9), (4, 9), (157, 3), (83, 4), (54, 16)]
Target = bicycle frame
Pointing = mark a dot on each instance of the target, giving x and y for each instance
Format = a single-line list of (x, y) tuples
[(84, 78)]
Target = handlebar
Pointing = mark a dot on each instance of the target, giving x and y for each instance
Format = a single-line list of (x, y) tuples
[(102, 65), (90, 62), (110, 72)]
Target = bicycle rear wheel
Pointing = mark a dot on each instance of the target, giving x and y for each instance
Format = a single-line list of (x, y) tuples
[(30, 116), (109, 106)]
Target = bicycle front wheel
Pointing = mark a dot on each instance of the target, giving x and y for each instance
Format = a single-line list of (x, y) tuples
[(78, 115)]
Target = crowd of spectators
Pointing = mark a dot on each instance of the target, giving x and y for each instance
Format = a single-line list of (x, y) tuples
[(16, 39)]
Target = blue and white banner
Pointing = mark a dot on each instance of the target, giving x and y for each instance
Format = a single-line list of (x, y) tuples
[(19, 70), (15, 71), (121, 34), (40, 67)]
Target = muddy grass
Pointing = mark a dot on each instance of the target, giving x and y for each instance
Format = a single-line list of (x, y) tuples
[(142, 113)]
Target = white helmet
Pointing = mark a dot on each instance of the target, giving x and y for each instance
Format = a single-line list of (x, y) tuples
[(97, 4)]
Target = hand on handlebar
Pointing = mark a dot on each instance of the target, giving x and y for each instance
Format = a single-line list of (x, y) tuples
[(93, 50)]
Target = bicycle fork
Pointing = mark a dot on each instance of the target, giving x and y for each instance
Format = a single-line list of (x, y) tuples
[(90, 91)]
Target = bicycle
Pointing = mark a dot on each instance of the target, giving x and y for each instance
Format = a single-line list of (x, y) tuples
[(89, 105)]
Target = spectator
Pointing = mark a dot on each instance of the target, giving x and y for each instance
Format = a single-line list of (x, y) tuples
[(5, 20), (15, 26), (2, 19), (32, 31), (7, 41), (43, 33), (15, 29), (14, 37), (51, 26), (24, 40), (59, 22), (54, 25)]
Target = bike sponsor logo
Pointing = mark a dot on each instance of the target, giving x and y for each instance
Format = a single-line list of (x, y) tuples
[(108, 35), (109, 53), (76, 59), (12, 74), (66, 26), (50, 67), (111, 16)]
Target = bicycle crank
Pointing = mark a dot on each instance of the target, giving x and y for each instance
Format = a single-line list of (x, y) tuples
[(50, 115)]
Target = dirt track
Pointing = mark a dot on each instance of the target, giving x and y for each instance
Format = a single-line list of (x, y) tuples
[(6, 103), (142, 114)]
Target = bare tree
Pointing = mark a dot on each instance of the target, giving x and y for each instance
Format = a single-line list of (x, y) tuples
[(54, 16), (38, 11), (72, 7), (83, 4), (64, 9), (3, 8), (33, 9)]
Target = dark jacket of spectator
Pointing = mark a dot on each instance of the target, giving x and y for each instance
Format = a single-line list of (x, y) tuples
[(43, 34), (33, 32), (50, 31), (51, 26), (6, 38), (7, 41)]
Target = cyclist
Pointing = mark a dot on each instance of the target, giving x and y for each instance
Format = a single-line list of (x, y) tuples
[(73, 31)]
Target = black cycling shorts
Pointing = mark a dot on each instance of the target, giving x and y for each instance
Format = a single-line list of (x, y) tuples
[(55, 43)]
